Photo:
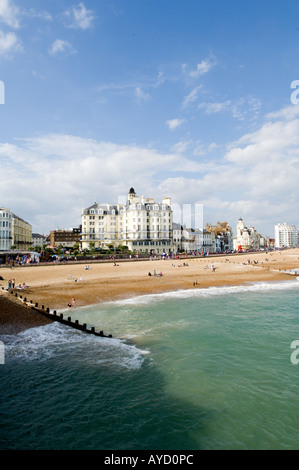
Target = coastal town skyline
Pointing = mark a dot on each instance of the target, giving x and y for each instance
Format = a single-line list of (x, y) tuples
[(196, 102), (147, 226)]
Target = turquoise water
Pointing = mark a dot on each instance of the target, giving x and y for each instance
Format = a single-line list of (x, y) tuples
[(203, 369)]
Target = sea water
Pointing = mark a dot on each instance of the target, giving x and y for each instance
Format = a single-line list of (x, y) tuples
[(199, 369)]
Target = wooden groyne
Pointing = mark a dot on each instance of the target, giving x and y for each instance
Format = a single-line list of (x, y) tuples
[(54, 316)]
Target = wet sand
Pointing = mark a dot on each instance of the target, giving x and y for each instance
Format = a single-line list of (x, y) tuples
[(54, 286), (15, 317)]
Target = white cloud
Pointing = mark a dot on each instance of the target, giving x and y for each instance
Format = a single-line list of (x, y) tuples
[(43, 15), (191, 97), (202, 68), (255, 178), (268, 162), (288, 113), (180, 147), (9, 14), (242, 108), (9, 43), (174, 123), (79, 17), (61, 46), (76, 170), (217, 107)]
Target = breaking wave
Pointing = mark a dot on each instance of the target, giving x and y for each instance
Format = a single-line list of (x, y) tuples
[(209, 292), (57, 341)]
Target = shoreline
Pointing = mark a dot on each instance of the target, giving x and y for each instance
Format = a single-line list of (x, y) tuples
[(55, 286)]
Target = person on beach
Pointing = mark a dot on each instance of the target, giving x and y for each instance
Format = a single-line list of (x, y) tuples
[(74, 302)]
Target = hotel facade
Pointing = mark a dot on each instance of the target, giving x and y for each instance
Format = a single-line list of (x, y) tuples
[(14, 231), (142, 224)]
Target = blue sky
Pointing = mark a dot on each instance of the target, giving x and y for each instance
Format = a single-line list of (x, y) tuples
[(183, 99)]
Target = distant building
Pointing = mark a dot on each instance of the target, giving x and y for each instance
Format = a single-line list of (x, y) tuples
[(141, 224), (21, 233), (247, 238), (177, 237), (66, 238), (286, 236), (6, 240), (223, 236), (39, 240), (269, 242), (14, 231), (197, 240)]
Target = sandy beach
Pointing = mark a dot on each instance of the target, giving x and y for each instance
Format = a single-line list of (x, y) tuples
[(55, 286)]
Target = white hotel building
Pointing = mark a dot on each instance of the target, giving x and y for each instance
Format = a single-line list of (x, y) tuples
[(141, 224), (286, 236), (14, 231), (6, 239)]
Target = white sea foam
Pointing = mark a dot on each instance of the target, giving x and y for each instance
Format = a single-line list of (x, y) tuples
[(208, 292), (56, 340)]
